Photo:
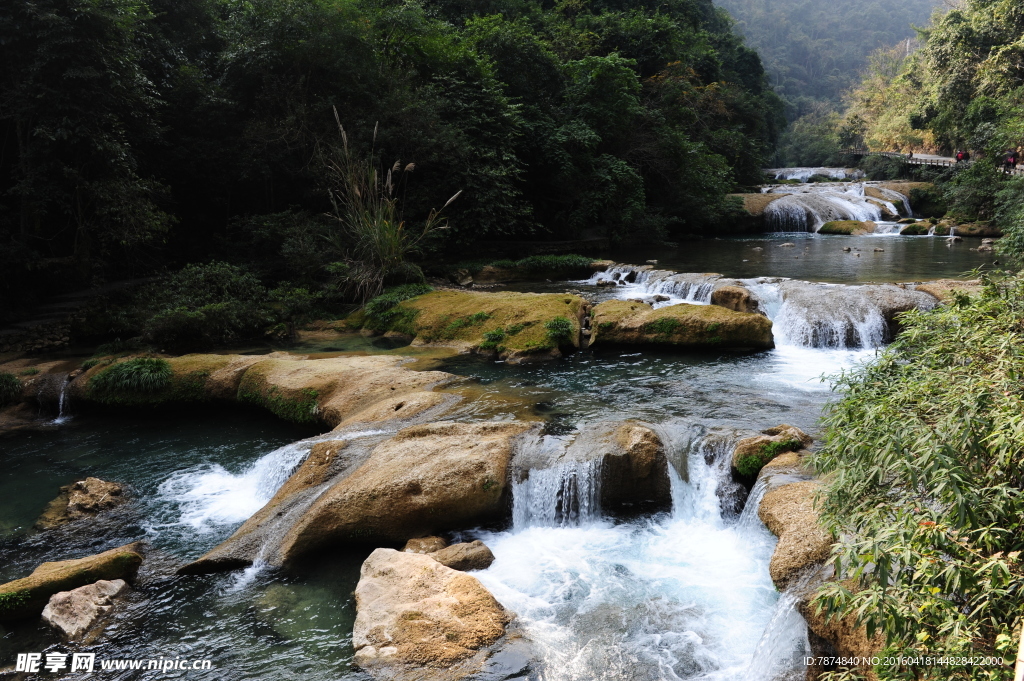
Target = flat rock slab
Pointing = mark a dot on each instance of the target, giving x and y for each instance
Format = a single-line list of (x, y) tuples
[(75, 612), (789, 513)]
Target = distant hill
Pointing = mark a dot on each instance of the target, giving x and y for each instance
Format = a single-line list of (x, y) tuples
[(816, 49)]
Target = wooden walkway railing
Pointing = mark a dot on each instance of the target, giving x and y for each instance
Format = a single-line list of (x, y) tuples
[(913, 160)]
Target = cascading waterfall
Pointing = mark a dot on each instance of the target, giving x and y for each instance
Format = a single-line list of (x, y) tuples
[(566, 495), (807, 210), (647, 283), (804, 174), (679, 596)]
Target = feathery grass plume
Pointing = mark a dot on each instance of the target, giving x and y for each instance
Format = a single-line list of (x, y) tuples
[(372, 235)]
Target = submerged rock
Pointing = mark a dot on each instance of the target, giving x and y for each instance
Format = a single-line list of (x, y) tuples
[(413, 612), (81, 499), (789, 513), (468, 556), (28, 596), (620, 322), (75, 612)]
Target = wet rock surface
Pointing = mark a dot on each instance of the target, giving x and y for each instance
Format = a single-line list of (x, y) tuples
[(789, 513), (73, 613), (684, 326), (414, 613), (466, 556), (81, 499), (28, 596)]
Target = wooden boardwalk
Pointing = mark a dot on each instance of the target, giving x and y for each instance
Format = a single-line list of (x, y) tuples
[(920, 160)]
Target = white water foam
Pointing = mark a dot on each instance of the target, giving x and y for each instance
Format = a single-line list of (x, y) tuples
[(685, 596), (804, 174), (647, 284), (807, 208), (210, 497)]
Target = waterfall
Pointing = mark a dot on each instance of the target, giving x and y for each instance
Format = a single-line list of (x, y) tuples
[(784, 642), (804, 174), (807, 210), (566, 495), (661, 287), (62, 404)]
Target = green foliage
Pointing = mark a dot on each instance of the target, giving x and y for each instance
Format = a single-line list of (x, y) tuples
[(205, 305), (924, 485), (927, 203), (814, 51), (10, 388), (31, 371), (560, 330), (197, 131), (1009, 215), (125, 381), (381, 313), (452, 329), (11, 601)]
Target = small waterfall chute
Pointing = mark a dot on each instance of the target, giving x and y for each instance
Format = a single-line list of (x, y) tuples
[(804, 174), (564, 495)]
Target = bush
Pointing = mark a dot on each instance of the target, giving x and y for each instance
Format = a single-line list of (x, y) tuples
[(10, 388), (560, 330), (140, 376), (925, 484), (207, 305)]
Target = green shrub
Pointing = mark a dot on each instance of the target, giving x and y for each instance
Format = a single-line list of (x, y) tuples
[(134, 377), (514, 329), (925, 484), (560, 330), (10, 388), (31, 371), (492, 339)]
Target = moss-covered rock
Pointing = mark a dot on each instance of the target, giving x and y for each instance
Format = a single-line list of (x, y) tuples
[(847, 227), (916, 229), (512, 326), (28, 596), (621, 322), (753, 453)]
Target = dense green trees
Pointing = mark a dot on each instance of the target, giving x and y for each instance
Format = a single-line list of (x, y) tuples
[(146, 134), (961, 90)]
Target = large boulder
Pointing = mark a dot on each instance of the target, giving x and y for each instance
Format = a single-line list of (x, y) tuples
[(82, 499), (790, 514), (684, 326), (73, 613), (422, 480), (28, 596), (633, 465), (412, 612)]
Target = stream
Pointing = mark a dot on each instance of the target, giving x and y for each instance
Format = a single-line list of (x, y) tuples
[(680, 595)]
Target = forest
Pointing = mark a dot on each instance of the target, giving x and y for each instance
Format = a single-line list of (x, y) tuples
[(144, 135), (814, 52)]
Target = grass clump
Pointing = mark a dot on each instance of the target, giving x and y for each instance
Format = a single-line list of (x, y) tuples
[(382, 313), (126, 381), (925, 485), (31, 371), (11, 601), (750, 465), (560, 330), (10, 388)]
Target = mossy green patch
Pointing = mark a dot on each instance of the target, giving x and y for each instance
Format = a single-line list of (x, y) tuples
[(10, 388), (750, 465), (301, 408)]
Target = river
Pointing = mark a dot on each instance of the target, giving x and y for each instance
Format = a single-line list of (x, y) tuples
[(679, 595)]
